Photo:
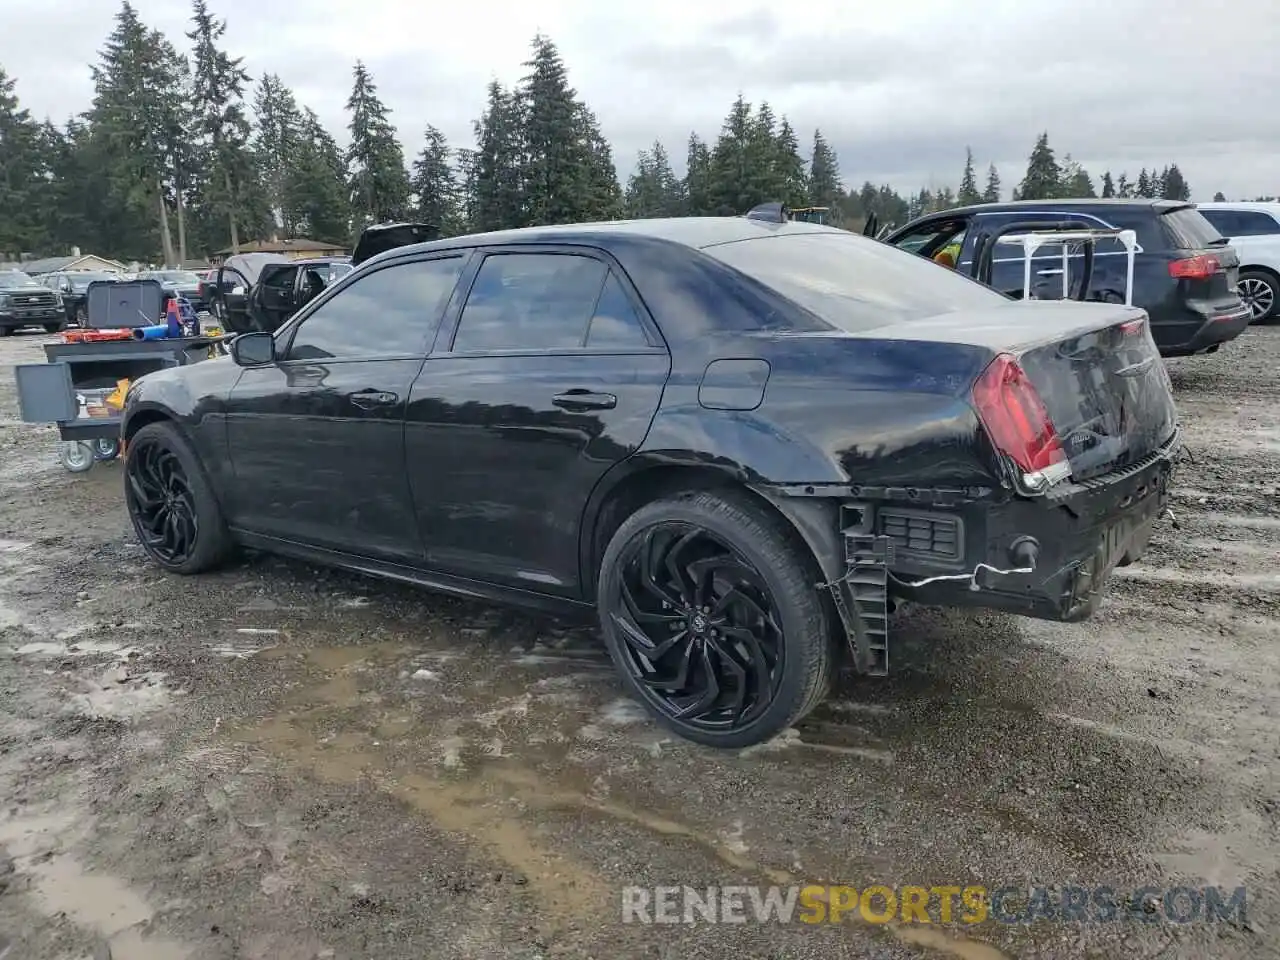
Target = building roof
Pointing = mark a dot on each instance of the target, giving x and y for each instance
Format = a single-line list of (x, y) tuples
[(281, 246), (55, 264)]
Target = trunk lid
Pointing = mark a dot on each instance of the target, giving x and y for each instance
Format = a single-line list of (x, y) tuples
[(1193, 239), (1095, 367)]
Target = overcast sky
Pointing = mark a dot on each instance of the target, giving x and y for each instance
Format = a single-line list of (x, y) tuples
[(899, 88)]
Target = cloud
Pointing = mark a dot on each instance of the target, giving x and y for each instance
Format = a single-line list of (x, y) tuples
[(898, 89)]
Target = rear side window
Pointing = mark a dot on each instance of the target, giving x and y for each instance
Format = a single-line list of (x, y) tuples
[(615, 325), (530, 301), (853, 282), (1188, 229), (1241, 223)]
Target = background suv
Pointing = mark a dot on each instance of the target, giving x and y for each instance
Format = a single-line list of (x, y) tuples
[(1185, 273), (1253, 229)]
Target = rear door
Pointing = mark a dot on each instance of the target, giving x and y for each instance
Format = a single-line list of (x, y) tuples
[(274, 298), (1204, 270), (550, 375)]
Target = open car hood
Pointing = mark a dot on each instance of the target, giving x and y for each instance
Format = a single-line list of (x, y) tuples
[(382, 237)]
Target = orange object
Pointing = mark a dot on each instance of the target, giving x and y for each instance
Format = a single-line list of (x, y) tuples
[(115, 399), (96, 336), (945, 259)]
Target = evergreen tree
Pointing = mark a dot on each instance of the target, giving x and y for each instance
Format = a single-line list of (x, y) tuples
[(793, 181), (944, 199), (132, 124), (992, 193), (653, 190), (435, 185), (1124, 189), (218, 94), (276, 142), (1043, 180), (697, 181), (1108, 186), (734, 190), (379, 183), (316, 197), (1076, 181), (824, 174), (25, 204), (968, 193), (1172, 184), (496, 199), (1219, 197), (556, 163), (602, 199), (1146, 187)]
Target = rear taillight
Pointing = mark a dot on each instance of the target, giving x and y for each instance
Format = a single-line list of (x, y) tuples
[(1131, 328), (1015, 416), (1195, 268)]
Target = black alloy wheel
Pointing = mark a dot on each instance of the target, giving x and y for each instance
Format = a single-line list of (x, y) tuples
[(174, 512), (711, 615)]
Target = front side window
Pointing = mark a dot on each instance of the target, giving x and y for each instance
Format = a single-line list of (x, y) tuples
[(530, 301), (389, 312)]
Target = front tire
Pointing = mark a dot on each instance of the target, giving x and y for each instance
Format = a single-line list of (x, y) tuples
[(171, 503), (54, 327), (711, 613), (1261, 293)]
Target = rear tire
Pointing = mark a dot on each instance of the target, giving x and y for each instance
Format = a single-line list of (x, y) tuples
[(1261, 292), (709, 584), (54, 327)]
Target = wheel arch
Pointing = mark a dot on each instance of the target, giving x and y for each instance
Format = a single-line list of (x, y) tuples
[(813, 521)]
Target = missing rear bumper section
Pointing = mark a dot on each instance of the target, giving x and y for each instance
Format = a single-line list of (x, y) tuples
[(1047, 557)]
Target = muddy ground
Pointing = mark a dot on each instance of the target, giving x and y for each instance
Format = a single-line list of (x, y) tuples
[(282, 763)]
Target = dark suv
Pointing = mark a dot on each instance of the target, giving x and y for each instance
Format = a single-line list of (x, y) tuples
[(1184, 272)]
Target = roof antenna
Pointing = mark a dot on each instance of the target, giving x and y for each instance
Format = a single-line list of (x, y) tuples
[(772, 212)]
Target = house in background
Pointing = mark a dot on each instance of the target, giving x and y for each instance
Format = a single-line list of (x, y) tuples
[(77, 261), (296, 249)]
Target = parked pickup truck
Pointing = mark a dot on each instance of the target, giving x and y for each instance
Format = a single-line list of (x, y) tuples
[(1184, 272), (1253, 229)]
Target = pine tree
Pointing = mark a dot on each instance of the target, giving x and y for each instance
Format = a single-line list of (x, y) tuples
[(1172, 184), (219, 82), (1219, 197), (792, 178), (434, 185), (653, 190), (992, 193), (1043, 180), (556, 170), (733, 188), (968, 193), (824, 176), (602, 199), (1124, 189), (496, 198), (1146, 187), (697, 181), (1108, 186), (379, 183), (1075, 180), (276, 142), (316, 198), (24, 216)]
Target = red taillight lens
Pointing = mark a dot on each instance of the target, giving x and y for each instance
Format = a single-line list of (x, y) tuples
[(1195, 268), (1131, 328), (1015, 417)]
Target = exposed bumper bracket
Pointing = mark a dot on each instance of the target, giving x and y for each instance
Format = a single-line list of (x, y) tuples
[(861, 597)]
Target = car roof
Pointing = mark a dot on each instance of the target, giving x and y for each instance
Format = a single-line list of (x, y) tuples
[(695, 232), (1075, 202), (1261, 206)]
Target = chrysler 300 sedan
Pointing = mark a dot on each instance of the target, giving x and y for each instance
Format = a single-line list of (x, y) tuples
[(736, 442)]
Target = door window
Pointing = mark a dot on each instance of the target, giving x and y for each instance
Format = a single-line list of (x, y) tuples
[(616, 325), (530, 301), (1241, 223), (391, 312), (933, 238)]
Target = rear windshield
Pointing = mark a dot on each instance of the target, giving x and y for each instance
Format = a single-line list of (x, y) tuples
[(853, 282), (1188, 229)]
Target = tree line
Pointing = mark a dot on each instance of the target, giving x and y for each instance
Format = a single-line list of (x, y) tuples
[(181, 154)]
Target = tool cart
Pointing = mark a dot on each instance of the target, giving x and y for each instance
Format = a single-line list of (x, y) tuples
[(130, 331)]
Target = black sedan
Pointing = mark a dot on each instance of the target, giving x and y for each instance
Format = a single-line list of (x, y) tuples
[(737, 442)]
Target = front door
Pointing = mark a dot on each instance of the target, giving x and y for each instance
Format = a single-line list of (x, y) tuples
[(551, 375), (317, 438)]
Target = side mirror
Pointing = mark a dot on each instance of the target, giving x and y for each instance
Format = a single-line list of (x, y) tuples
[(237, 291), (253, 349)]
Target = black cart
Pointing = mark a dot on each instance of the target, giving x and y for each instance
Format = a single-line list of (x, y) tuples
[(72, 387)]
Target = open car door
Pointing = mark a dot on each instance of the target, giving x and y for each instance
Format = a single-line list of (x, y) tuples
[(274, 298), (382, 237)]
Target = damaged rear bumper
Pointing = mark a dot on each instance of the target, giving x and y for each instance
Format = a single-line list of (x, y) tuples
[(1047, 557)]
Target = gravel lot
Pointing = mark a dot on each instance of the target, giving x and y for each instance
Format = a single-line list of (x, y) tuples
[(282, 763)]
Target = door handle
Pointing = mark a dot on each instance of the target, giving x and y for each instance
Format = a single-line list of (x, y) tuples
[(369, 399), (585, 400), (1049, 273)]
